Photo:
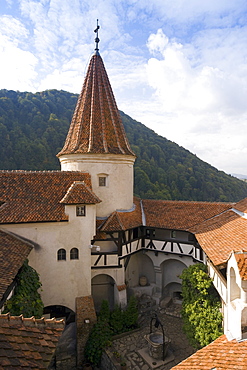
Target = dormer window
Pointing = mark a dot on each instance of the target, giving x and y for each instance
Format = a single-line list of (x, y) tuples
[(80, 210)]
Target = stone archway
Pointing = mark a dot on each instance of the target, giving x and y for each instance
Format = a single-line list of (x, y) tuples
[(140, 264), (103, 289), (171, 283), (61, 312)]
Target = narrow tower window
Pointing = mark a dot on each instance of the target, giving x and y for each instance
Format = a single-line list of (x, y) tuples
[(102, 181), (61, 255), (74, 254)]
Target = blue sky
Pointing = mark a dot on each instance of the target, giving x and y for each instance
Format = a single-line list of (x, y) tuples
[(178, 66)]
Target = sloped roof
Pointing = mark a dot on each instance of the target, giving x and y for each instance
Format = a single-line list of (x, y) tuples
[(241, 205), (13, 252), (221, 235), (96, 126), (124, 220), (241, 259), (30, 196), (80, 193), (217, 227), (219, 355), (28, 343), (180, 214)]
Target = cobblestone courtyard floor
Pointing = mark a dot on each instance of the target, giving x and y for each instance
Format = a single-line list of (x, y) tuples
[(132, 345)]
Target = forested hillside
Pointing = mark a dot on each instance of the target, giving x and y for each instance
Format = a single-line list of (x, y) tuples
[(33, 128)]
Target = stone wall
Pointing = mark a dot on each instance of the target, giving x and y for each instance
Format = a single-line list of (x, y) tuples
[(85, 320)]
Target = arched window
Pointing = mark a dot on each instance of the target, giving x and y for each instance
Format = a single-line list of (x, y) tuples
[(61, 254), (74, 254)]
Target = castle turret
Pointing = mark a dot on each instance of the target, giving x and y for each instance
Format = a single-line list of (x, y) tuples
[(97, 143)]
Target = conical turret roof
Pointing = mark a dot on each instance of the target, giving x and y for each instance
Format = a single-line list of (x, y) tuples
[(96, 126)]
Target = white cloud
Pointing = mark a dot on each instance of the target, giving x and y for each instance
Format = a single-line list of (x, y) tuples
[(178, 66)]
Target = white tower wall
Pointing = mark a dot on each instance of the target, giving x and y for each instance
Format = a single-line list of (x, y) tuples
[(117, 194)]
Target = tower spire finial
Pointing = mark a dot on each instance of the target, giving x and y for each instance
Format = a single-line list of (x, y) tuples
[(97, 40)]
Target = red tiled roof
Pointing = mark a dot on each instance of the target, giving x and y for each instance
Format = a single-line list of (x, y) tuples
[(96, 126), (219, 355), (241, 205), (79, 193), (221, 235), (13, 252), (241, 259), (180, 214), (35, 196), (124, 220), (28, 343)]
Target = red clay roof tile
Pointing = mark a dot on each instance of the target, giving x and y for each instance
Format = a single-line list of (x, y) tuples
[(30, 196), (80, 193), (241, 259), (35, 352), (124, 220), (96, 126), (180, 214), (221, 235), (220, 355)]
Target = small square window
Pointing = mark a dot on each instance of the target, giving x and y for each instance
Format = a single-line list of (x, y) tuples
[(173, 234), (150, 233), (80, 210), (102, 181)]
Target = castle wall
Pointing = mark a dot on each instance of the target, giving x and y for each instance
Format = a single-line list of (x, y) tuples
[(62, 281)]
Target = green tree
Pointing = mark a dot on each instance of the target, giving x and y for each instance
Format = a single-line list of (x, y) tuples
[(26, 299), (100, 335), (201, 306), (116, 320), (130, 315)]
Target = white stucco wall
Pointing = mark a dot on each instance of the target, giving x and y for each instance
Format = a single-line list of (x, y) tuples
[(236, 307), (118, 192), (62, 281)]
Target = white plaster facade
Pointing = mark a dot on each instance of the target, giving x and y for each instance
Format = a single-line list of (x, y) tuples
[(235, 319), (117, 194), (62, 281)]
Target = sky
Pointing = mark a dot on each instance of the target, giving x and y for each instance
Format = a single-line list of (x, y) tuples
[(177, 66)]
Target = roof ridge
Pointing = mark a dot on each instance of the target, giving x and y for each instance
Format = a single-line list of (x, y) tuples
[(210, 218), (189, 201), (72, 187), (31, 321), (240, 213), (40, 171)]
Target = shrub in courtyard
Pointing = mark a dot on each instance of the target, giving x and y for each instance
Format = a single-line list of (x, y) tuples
[(99, 338), (100, 335), (130, 315), (104, 313), (109, 324), (116, 320), (26, 299), (201, 306)]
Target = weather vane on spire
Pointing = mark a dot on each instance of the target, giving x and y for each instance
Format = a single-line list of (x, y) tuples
[(97, 40)]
